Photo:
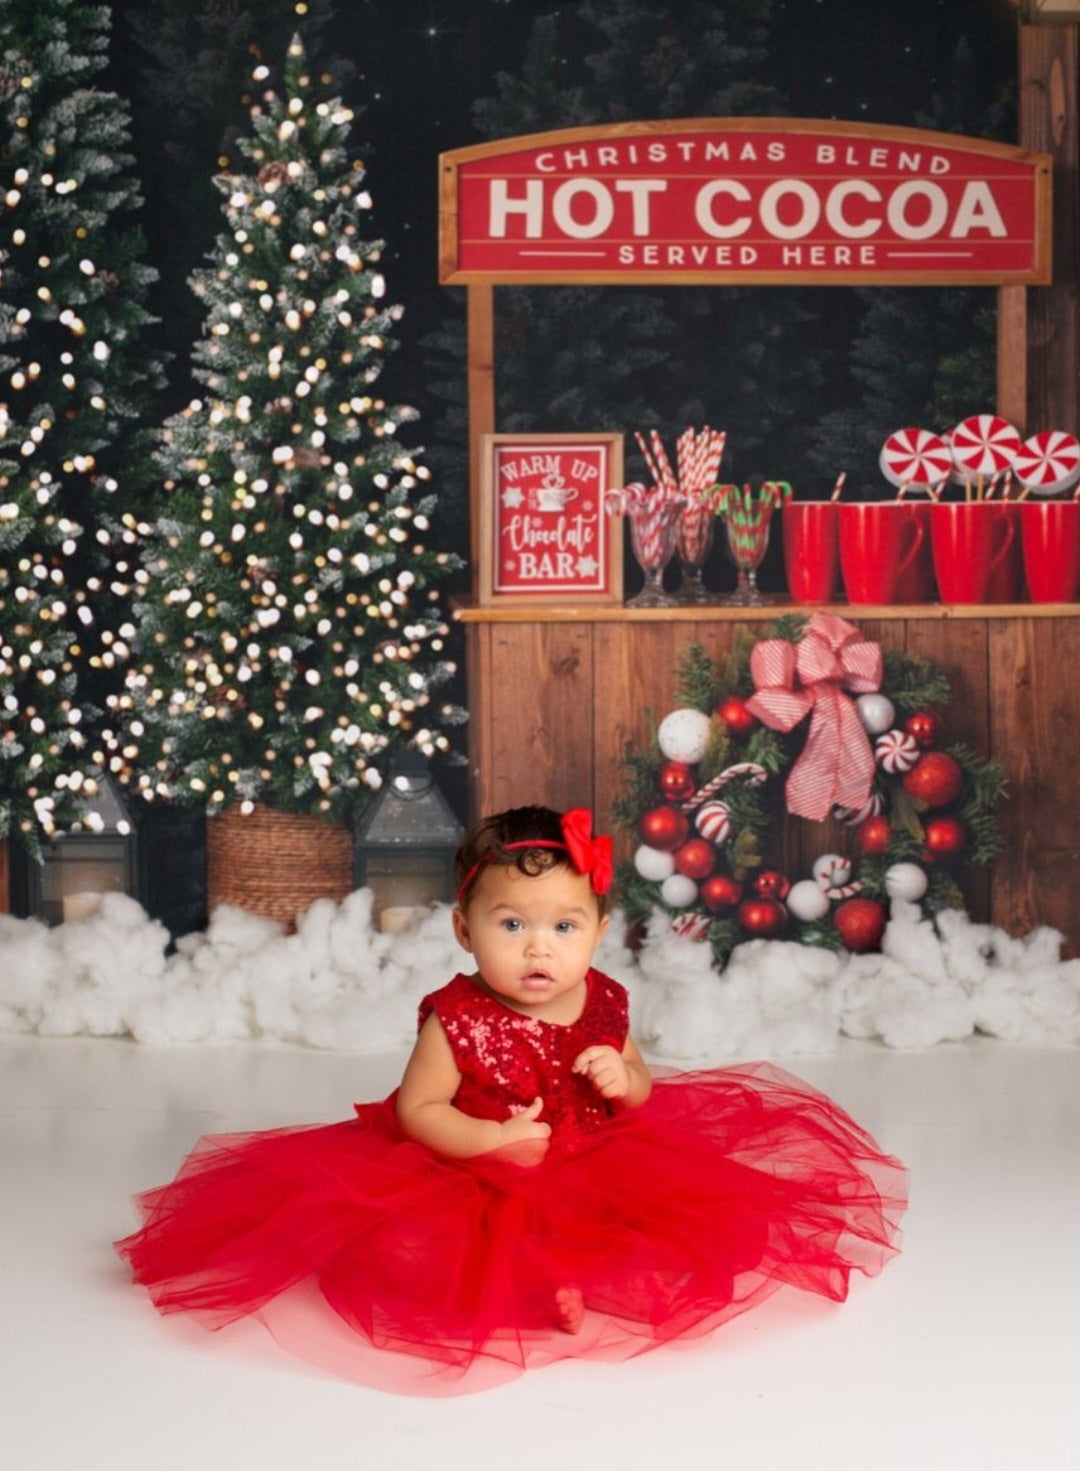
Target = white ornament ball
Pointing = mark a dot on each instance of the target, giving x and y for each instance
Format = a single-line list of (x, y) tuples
[(684, 735), (831, 871), (905, 881), (807, 900), (897, 750), (713, 822), (654, 865), (876, 713), (678, 891)]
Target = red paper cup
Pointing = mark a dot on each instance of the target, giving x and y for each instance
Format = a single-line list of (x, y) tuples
[(878, 543), (811, 555), (970, 540), (915, 584), (1050, 537)]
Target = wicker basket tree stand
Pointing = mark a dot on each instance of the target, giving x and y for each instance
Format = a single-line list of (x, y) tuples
[(276, 864)]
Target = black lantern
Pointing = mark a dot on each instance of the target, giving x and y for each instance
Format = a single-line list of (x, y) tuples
[(78, 867), (405, 846)]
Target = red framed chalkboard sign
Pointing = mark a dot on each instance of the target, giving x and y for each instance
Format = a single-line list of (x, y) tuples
[(544, 532)]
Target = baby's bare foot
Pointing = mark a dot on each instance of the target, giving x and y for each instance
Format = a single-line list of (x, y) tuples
[(570, 1309)]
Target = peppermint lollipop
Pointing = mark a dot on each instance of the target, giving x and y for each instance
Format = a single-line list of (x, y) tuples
[(916, 459), (1048, 462), (984, 445)]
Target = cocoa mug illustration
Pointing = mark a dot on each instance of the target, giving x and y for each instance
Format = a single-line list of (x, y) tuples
[(553, 494)]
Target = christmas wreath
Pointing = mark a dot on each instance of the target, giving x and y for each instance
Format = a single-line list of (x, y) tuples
[(855, 734)]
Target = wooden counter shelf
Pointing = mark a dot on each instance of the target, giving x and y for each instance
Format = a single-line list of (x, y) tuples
[(555, 693)]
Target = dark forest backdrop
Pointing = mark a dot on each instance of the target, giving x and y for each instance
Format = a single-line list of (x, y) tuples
[(806, 382)]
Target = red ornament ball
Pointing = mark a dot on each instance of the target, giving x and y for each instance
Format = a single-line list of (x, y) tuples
[(665, 828), (945, 838), (772, 885), (720, 891), (736, 716), (676, 781), (935, 779), (762, 918), (696, 858), (860, 923), (925, 727), (874, 834)]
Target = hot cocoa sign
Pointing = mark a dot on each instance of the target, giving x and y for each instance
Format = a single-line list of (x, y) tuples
[(543, 527), (746, 200)]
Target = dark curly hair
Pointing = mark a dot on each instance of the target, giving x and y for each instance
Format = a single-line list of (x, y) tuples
[(504, 839)]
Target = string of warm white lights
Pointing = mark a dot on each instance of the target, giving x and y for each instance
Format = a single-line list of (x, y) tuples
[(73, 376)]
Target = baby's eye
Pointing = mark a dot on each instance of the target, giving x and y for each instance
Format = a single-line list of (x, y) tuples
[(513, 925), (566, 926)]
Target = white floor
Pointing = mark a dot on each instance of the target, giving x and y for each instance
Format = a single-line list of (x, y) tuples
[(962, 1355)]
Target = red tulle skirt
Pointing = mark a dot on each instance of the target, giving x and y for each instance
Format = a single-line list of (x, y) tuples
[(348, 1240)]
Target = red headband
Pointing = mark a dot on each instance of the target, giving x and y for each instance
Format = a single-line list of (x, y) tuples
[(589, 855)]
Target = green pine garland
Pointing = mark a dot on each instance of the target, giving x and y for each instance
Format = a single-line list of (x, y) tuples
[(912, 685)]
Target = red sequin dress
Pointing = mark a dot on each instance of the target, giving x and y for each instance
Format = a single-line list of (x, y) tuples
[(724, 1186)]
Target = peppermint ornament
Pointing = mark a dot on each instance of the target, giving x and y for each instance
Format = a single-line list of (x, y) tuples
[(853, 816), (896, 750), (690, 926), (684, 735), (713, 822)]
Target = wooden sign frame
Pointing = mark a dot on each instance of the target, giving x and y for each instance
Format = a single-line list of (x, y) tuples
[(544, 534)]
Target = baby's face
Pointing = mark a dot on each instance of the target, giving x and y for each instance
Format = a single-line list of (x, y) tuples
[(533, 936)]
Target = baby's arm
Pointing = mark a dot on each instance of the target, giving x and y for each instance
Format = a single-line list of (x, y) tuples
[(623, 1077), (426, 1113)]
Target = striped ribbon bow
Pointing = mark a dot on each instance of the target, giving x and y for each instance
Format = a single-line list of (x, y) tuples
[(836, 765)]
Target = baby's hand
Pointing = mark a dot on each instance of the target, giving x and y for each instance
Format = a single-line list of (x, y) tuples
[(524, 1136), (605, 1070)]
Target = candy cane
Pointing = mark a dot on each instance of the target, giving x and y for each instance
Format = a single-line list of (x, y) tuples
[(837, 891), (753, 773)]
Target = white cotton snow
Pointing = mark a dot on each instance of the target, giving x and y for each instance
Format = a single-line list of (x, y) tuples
[(339, 983)]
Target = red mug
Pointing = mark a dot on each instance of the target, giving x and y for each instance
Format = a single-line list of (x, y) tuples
[(970, 539), (811, 555), (1006, 584), (916, 583), (1050, 534), (878, 543)]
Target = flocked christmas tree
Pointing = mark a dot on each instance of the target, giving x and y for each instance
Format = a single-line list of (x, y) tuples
[(289, 633), (75, 375)]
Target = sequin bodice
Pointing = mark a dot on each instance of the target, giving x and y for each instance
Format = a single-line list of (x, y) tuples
[(507, 1059)]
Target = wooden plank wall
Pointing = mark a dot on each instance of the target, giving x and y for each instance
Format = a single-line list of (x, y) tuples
[(554, 703)]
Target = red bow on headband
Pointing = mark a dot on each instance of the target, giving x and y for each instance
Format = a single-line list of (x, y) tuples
[(590, 855)]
